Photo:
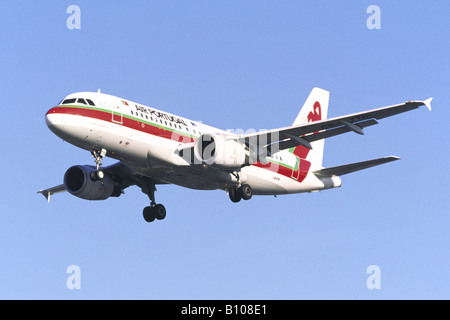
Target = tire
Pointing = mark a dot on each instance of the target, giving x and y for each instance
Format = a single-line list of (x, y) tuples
[(234, 195), (100, 174), (93, 176), (246, 192), (159, 212), (149, 214), (97, 175)]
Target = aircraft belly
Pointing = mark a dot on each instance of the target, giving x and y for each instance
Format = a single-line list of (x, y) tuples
[(266, 182), (197, 180)]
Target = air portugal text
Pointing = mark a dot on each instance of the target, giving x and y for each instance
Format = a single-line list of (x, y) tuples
[(159, 114)]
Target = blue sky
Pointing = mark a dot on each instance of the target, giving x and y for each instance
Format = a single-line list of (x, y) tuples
[(231, 64)]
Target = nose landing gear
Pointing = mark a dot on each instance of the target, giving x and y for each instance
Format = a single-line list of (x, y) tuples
[(98, 156)]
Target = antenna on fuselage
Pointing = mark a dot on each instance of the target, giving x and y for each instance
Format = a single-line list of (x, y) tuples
[(98, 90)]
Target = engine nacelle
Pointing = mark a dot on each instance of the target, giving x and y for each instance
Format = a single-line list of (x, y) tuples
[(220, 151), (79, 182)]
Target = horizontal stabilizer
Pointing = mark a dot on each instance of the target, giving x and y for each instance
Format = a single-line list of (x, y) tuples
[(352, 167)]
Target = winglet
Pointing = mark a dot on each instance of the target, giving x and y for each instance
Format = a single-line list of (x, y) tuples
[(46, 194), (51, 191), (428, 103)]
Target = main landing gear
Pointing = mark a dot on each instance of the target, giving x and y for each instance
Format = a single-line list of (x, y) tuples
[(243, 192), (98, 156), (157, 211), (154, 211)]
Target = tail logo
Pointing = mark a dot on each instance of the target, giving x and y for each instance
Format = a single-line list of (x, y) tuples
[(316, 113), (302, 152)]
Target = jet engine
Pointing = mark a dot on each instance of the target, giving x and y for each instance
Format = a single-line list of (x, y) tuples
[(83, 182), (220, 151)]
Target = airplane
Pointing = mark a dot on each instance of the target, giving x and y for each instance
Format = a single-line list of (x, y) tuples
[(155, 147)]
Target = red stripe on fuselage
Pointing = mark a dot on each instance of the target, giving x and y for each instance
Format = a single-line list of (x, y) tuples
[(127, 122), (301, 172)]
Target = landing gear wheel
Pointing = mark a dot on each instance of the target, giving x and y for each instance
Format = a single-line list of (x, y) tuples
[(100, 174), (149, 214), (159, 211), (97, 175), (234, 195), (246, 192)]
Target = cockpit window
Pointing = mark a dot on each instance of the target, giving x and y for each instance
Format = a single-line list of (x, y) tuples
[(69, 101), (79, 100)]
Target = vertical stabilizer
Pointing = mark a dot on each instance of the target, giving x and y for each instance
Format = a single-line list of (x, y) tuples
[(314, 109)]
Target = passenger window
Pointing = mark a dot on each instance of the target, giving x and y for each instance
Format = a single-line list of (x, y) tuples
[(81, 101), (91, 103)]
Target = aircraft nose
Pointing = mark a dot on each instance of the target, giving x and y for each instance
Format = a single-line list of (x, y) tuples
[(56, 123), (50, 118)]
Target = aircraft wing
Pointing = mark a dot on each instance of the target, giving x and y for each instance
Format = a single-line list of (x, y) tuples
[(304, 134), (50, 191), (122, 176)]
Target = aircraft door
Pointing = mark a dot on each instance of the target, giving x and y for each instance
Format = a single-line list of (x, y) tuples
[(117, 116), (296, 170)]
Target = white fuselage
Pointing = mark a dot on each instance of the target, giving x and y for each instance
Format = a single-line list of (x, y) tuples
[(145, 139)]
